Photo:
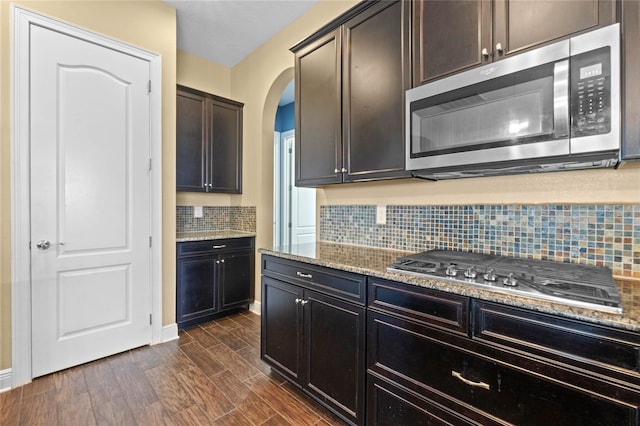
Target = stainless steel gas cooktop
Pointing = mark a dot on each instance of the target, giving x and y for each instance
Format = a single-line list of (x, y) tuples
[(570, 284)]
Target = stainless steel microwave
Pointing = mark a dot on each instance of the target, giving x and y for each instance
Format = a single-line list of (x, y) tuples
[(553, 108)]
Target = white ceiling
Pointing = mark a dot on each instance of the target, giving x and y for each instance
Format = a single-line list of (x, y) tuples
[(226, 31)]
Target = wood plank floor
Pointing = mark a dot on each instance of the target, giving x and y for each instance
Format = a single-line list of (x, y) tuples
[(212, 375)]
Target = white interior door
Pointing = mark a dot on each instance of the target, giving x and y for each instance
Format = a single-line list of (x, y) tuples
[(302, 210), (90, 143)]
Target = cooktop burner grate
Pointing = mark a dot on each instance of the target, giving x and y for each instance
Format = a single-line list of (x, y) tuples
[(571, 284)]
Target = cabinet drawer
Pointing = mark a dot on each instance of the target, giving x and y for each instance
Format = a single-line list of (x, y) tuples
[(424, 305), (345, 285), (555, 337), (478, 387), (189, 248), (391, 405)]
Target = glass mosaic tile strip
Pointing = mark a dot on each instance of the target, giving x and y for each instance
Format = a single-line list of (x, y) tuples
[(216, 218), (606, 235)]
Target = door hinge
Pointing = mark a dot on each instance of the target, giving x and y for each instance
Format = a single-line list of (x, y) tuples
[(150, 319), (149, 87), (150, 164), (150, 241)]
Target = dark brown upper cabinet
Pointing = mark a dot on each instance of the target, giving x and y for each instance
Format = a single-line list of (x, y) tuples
[(350, 81), (630, 81), (208, 142), (451, 36)]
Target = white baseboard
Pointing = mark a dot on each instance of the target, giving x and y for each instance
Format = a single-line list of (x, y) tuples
[(255, 307), (169, 332), (5, 380)]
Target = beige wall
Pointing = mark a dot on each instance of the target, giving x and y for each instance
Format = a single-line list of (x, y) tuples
[(576, 187), (258, 82), (147, 24)]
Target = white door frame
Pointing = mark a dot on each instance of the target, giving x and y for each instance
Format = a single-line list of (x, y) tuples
[(20, 184)]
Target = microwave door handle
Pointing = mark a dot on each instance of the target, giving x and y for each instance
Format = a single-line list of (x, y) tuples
[(561, 98)]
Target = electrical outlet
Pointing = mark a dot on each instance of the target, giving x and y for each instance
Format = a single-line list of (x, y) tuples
[(197, 211), (381, 215)]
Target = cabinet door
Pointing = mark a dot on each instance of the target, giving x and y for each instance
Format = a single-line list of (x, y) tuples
[(449, 36), (225, 166), (319, 112), (236, 279), (631, 82), (281, 342), (522, 24), (376, 73), (190, 142), (334, 353), (195, 290)]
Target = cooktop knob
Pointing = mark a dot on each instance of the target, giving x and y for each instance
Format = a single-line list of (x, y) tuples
[(490, 275), (451, 270), (510, 281), (471, 272)]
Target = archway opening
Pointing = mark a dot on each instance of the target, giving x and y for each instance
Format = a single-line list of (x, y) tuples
[(294, 208)]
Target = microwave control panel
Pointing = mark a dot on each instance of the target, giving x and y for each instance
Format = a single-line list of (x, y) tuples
[(591, 93)]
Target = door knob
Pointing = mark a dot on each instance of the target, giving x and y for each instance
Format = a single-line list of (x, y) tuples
[(45, 244)]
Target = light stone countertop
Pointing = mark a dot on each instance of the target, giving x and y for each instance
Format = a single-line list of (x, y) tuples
[(182, 237), (374, 262)]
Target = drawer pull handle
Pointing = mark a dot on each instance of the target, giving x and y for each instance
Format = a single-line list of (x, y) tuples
[(303, 275), (469, 382), (220, 246)]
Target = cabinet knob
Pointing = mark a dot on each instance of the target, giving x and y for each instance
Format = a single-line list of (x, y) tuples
[(222, 261), (499, 48), (344, 170), (298, 301), (336, 171), (485, 53), (217, 262), (304, 302)]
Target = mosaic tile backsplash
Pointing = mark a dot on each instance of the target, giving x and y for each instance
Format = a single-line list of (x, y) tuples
[(605, 235), (216, 219)]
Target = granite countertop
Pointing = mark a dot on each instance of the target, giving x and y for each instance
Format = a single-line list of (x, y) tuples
[(182, 237), (374, 262)]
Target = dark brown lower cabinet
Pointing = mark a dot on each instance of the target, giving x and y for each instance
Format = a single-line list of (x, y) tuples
[(436, 358), (487, 390), (423, 373), (314, 339), (213, 276)]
